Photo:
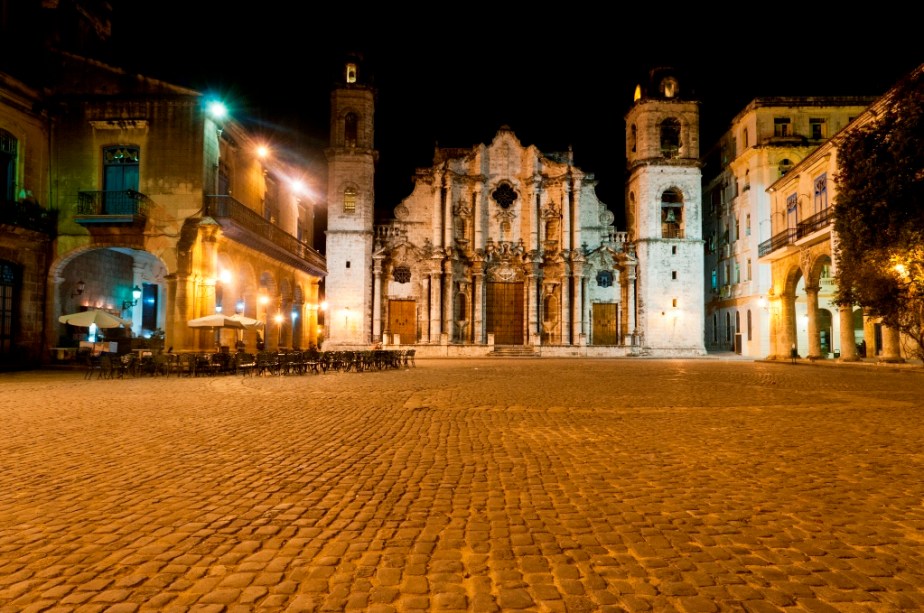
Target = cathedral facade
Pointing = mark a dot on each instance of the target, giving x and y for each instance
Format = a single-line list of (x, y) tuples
[(504, 249)]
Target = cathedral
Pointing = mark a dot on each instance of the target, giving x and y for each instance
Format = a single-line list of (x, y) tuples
[(502, 249)]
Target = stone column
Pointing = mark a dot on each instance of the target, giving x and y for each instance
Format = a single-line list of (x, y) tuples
[(424, 310), (848, 343), (891, 345), (577, 305), (477, 212), (435, 310), (437, 233), (377, 299), (787, 331), (478, 311), (447, 210), (574, 196), (774, 308), (175, 322), (565, 307), (869, 335), (448, 302), (565, 240), (811, 305), (533, 287), (629, 307)]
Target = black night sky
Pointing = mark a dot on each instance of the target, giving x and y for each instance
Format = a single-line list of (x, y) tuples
[(556, 79)]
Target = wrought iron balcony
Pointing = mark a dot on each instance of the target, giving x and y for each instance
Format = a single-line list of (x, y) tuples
[(789, 236), (815, 222), (29, 216), (111, 207), (777, 241), (249, 228)]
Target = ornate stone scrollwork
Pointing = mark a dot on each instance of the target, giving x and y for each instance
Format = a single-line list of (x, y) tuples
[(805, 262)]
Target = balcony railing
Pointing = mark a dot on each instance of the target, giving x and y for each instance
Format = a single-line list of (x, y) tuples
[(671, 232), (250, 228), (815, 222), (107, 207), (789, 236), (29, 216), (778, 241)]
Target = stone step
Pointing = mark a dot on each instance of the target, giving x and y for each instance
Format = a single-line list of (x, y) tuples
[(513, 351)]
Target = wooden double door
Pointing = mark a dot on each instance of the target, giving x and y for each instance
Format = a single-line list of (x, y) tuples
[(504, 312), (402, 320), (606, 324)]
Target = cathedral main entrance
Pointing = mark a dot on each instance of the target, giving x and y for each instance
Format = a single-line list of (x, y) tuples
[(402, 320), (505, 312)]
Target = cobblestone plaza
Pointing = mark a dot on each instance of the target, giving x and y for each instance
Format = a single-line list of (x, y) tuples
[(467, 485)]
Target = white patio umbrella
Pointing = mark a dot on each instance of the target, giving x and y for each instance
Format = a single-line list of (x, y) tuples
[(216, 321), (249, 323), (102, 319)]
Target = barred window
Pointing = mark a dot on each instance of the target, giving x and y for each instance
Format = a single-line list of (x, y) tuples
[(821, 192), (401, 274), (604, 278)]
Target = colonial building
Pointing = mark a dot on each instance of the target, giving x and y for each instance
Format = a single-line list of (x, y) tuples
[(157, 192), (128, 194), (802, 258), (27, 224), (763, 142), (502, 246)]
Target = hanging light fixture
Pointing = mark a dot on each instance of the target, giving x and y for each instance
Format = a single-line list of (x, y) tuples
[(136, 295)]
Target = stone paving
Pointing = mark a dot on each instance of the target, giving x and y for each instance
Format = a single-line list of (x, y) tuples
[(467, 485)]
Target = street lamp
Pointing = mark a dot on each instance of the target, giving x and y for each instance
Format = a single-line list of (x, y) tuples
[(136, 295)]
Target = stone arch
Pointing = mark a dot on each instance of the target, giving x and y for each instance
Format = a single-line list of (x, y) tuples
[(672, 213), (669, 137), (785, 315), (819, 265), (129, 267)]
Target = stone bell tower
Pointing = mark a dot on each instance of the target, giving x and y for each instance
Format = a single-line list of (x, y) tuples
[(664, 214), (351, 162)]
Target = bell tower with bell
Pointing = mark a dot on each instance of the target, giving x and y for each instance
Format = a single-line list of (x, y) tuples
[(351, 162), (664, 214)]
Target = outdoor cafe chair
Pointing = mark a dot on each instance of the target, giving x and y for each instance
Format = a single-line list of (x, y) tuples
[(267, 363), (245, 363), (161, 364), (93, 366), (106, 367), (186, 365)]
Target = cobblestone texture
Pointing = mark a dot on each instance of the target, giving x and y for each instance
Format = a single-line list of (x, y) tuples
[(467, 485)]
